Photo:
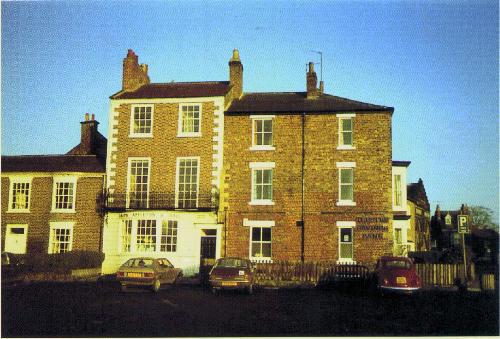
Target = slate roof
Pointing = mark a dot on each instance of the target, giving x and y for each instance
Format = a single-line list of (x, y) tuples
[(177, 90), (53, 163), (297, 102), (401, 163)]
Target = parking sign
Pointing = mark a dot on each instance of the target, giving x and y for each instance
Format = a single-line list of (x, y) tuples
[(463, 223)]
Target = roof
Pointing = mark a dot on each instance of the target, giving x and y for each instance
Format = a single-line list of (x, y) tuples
[(177, 90), (416, 193), (297, 102), (52, 163), (399, 163)]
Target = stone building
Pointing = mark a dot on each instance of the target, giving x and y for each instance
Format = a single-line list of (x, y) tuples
[(49, 201), (307, 176), (419, 208)]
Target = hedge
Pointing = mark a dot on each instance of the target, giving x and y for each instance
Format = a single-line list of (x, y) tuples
[(61, 262)]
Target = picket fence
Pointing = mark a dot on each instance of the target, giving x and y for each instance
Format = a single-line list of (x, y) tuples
[(444, 274)]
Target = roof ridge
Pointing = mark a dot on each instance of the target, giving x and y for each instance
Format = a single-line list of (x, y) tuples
[(188, 82)]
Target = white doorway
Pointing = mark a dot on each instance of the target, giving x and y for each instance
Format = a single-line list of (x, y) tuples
[(16, 237)]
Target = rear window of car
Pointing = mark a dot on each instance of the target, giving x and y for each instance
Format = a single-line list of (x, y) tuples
[(232, 263), (139, 263), (397, 264)]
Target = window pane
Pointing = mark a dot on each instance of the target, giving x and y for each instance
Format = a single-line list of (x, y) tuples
[(345, 235), (346, 176), (256, 249), (347, 124), (266, 234), (268, 176), (266, 250), (256, 232), (267, 192), (268, 125), (346, 192), (347, 138)]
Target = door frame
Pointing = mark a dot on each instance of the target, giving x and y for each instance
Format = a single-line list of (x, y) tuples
[(8, 233)]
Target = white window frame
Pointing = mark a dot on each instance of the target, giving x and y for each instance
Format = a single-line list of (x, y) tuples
[(262, 118), (61, 225), (64, 179), (173, 243), (254, 166), (132, 238), (133, 134), (138, 236), (177, 174), (251, 224), (398, 191), (346, 225), (341, 145), (129, 168), (182, 134), (341, 166), (124, 224), (12, 182), (8, 230)]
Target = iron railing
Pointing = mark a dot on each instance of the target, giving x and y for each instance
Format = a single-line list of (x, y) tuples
[(158, 201)]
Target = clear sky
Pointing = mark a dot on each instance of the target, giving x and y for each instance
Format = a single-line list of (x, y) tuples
[(435, 62)]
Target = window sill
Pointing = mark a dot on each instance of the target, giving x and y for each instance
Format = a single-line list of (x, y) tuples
[(346, 147), (63, 211), (141, 136), (346, 203), (18, 211), (262, 148), (188, 135), (261, 202)]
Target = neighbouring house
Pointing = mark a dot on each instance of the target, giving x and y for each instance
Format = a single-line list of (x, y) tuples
[(165, 159), (419, 209), (307, 176), (444, 228), (49, 201), (404, 242)]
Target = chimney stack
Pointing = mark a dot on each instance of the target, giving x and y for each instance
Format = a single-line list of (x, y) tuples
[(134, 75), (236, 75), (88, 135), (312, 82)]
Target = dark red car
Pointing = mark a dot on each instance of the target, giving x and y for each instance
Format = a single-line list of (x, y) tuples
[(397, 274), (232, 273)]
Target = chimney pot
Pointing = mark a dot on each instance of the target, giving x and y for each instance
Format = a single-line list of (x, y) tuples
[(93, 117), (86, 117), (236, 55)]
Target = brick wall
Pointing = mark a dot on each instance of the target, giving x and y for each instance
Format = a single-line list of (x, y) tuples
[(372, 185), (88, 223), (163, 148)]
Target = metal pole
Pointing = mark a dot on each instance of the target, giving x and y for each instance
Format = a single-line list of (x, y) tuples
[(303, 182), (465, 259)]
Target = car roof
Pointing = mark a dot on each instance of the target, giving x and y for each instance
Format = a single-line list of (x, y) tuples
[(391, 258)]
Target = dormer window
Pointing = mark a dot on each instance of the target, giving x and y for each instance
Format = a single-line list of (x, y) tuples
[(447, 219)]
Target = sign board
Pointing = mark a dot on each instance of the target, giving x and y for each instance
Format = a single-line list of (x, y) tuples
[(463, 223)]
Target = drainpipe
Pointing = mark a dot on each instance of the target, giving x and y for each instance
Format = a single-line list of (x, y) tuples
[(225, 231), (303, 184)]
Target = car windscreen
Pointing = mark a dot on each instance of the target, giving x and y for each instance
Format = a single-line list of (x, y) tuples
[(139, 263), (397, 264), (232, 263)]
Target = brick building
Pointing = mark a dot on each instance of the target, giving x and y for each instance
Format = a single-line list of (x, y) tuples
[(402, 230), (308, 176), (49, 203), (164, 169)]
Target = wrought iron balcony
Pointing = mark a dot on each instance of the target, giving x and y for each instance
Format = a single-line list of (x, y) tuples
[(158, 201)]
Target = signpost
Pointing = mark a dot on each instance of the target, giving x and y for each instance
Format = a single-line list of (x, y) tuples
[(463, 228)]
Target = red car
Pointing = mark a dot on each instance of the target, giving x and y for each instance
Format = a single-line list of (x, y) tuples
[(232, 273), (397, 274)]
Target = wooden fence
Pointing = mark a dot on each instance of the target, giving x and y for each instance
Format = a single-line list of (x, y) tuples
[(443, 274), (279, 272)]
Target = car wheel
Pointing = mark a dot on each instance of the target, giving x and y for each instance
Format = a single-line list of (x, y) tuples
[(156, 285), (214, 291), (250, 289)]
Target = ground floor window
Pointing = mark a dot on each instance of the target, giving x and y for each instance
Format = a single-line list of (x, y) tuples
[(261, 242), (346, 244), (148, 235), (168, 236), (61, 237)]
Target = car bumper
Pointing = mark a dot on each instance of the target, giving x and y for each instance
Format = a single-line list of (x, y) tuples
[(136, 281), (401, 290), (230, 285)]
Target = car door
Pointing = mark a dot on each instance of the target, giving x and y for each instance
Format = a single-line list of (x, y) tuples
[(171, 273)]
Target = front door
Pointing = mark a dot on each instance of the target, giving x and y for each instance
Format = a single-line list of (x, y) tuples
[(207, 255), (15, 239)]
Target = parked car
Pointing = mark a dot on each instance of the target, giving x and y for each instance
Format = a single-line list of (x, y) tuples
[(232, 273), (397, 274), (147, 272)]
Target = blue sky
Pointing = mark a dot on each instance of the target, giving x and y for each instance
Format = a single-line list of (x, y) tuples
[(435, 62)]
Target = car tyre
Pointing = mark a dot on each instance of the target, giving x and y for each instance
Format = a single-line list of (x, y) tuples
[(214, 291), (156, 285), (250, 289)]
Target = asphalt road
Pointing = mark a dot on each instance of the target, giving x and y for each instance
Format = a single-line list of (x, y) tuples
[(100, 309)]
